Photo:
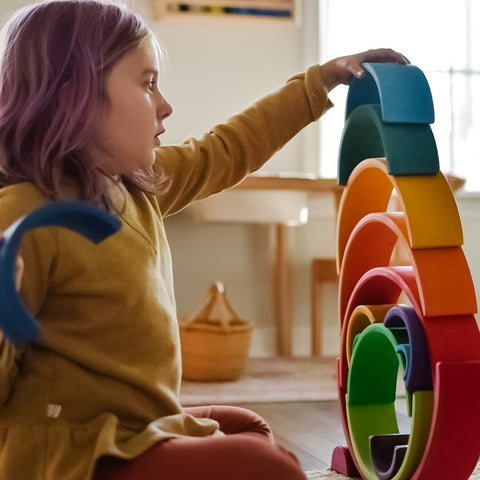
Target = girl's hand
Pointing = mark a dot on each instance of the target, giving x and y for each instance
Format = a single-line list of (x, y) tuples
[(18, 271), (342, 70)]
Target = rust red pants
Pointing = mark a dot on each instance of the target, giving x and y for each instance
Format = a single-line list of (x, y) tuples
[(246, 452)]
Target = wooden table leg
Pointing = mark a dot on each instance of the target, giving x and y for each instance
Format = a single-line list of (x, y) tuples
[(282, 292)]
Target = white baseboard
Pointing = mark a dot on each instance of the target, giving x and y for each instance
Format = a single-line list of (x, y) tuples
[(263, 342)]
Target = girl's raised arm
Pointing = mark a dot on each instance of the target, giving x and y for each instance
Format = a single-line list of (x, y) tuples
[(230, 151)]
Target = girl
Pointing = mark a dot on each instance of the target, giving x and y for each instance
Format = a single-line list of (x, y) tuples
[(96, 396)]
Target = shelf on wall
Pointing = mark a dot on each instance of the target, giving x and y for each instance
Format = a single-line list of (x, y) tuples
[(267, 9)]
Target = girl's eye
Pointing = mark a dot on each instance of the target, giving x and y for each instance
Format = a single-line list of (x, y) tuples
[(150, 84)]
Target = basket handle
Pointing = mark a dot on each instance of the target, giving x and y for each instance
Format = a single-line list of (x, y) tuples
[(218, 301)]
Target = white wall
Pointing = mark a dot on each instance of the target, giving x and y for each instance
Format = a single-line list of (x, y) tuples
[(8, 6)]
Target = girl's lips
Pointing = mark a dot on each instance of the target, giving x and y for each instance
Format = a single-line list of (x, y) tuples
[(156, 138)]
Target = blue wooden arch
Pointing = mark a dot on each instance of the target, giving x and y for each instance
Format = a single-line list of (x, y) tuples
[(402, 92)]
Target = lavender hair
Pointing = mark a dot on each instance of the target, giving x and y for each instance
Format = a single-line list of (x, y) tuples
[(54, 59)]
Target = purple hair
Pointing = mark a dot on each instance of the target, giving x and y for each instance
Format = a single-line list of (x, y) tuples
[(54, 59)]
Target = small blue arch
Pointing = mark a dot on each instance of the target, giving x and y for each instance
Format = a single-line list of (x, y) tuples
[(409, 148), (402, 91)]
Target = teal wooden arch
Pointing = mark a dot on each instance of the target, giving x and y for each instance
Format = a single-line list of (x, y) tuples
[(409, 148), (402, 92)]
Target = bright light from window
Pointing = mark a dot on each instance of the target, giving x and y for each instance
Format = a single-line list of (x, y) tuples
[(440, 37)]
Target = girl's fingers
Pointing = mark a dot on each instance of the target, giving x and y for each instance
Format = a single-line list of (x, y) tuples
[(19, 266)]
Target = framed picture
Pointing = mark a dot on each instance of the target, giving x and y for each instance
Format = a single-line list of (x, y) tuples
[(267, 9)]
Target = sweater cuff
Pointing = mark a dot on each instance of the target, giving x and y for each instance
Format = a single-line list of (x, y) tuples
[(316, 90)]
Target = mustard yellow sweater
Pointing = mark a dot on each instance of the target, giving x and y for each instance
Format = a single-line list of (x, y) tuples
[(104, 376)]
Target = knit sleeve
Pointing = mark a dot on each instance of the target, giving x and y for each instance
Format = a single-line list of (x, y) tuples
[(230, 151)]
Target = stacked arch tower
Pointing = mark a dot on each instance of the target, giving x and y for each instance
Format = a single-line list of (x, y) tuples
[(415, 316)]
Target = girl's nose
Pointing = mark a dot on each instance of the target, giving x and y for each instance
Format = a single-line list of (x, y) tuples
[(164, 109)]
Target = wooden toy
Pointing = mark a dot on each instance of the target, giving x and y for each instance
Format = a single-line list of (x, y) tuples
[(388, 153)]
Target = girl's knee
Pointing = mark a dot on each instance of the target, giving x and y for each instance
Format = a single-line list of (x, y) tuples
[(234, 419)]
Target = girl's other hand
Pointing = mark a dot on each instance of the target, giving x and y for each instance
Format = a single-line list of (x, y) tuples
[(18, 271), (341, 70)]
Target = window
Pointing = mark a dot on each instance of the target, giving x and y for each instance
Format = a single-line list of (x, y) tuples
[(438, 36)]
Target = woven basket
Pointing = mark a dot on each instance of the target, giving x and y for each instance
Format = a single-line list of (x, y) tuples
[(215, 341)]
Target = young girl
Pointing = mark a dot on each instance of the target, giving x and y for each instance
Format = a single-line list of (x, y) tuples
[(96, 396)]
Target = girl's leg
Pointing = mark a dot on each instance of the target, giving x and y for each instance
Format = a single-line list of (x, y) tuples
[(234, 420), (241, 454)]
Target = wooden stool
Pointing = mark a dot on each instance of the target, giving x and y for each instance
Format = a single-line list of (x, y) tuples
[(322, 270)]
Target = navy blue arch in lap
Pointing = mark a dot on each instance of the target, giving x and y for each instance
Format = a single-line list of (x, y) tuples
[(410, 149), (15, 321), (402, 92)]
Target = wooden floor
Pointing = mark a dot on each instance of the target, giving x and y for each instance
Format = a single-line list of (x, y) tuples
[(311, 430)]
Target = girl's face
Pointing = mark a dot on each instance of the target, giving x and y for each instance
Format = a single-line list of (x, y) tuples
[(128, 125)]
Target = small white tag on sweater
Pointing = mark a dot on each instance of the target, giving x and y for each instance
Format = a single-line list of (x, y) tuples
[(53, 410)]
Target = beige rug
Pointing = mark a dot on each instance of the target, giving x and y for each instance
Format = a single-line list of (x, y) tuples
[(331, 475), (269, 380), (324, 475)]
